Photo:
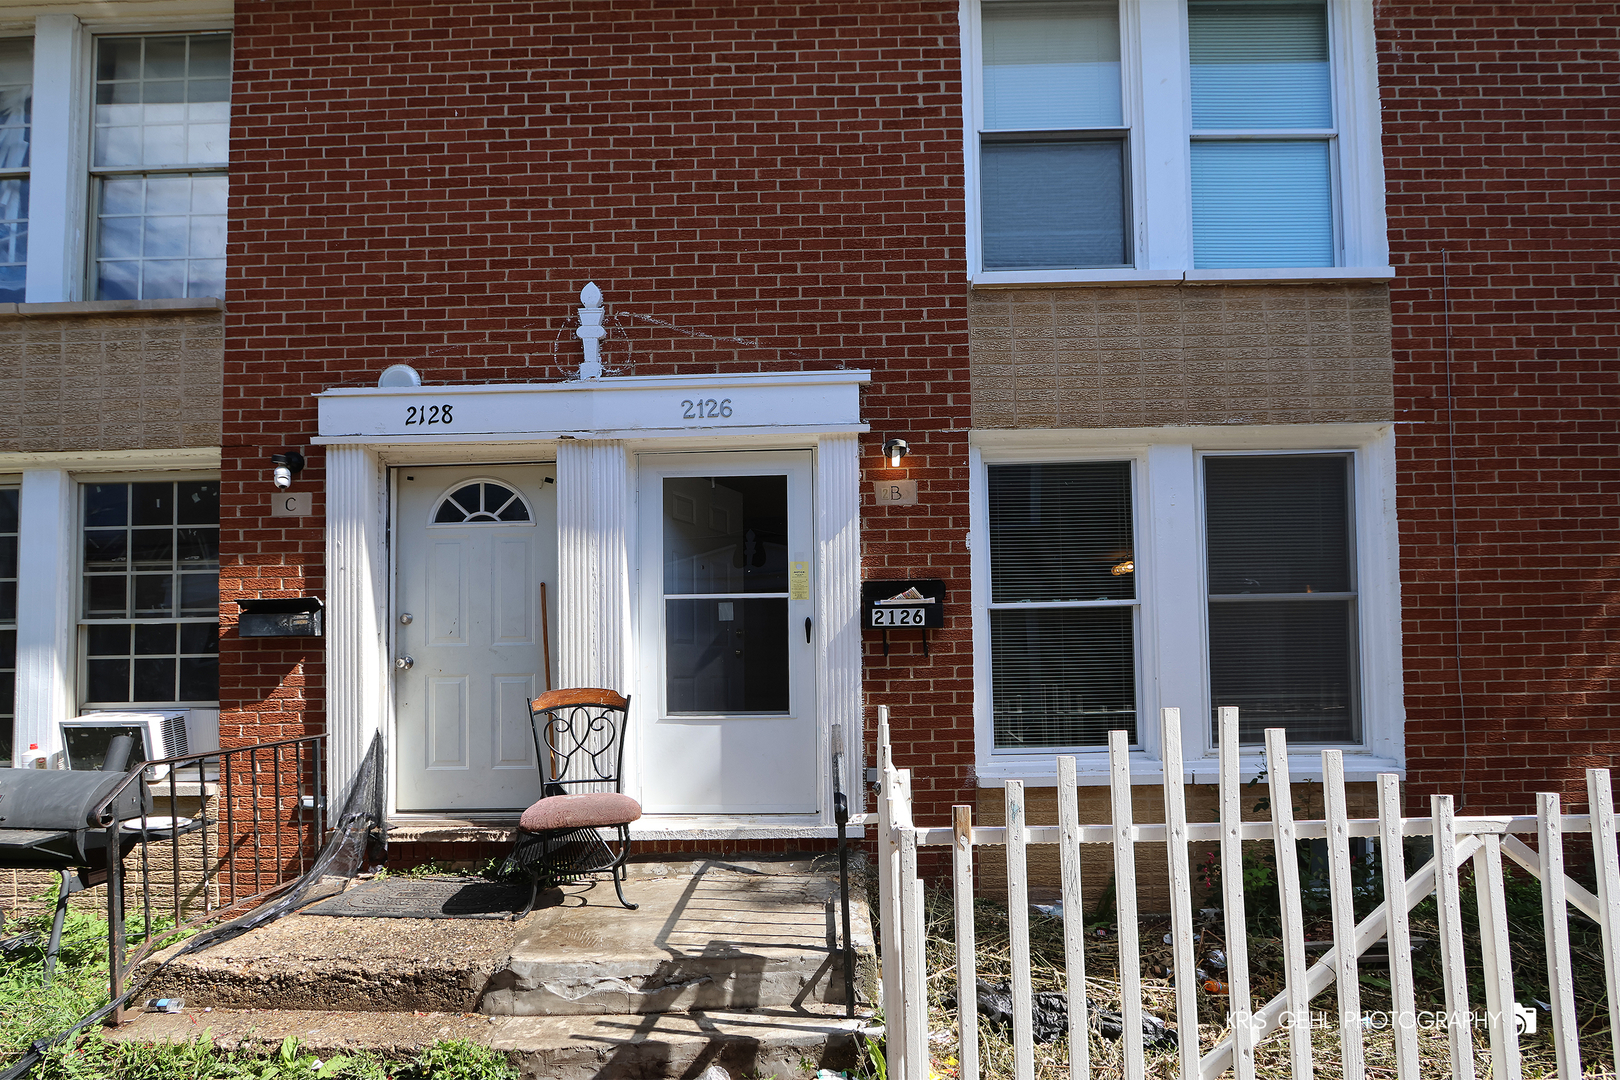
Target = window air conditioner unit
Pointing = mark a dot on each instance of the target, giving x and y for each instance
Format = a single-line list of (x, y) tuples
[(157, 735)]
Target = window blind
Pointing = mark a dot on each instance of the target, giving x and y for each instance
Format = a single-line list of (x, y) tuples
[(1259, 66), (1051, 66), (1282, 610), (1061, 534), (1261, 204), (1061, 531), (1053, 204)]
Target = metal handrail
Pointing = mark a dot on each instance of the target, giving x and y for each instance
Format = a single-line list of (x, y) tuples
[(240, 771)]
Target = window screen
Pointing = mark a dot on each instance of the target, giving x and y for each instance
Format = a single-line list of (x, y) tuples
[(1282, 594), (1063, 603)]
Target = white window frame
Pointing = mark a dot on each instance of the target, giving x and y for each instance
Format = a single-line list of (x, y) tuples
[(81, 623), (61, 226), (1158, 111), (1173, 648)]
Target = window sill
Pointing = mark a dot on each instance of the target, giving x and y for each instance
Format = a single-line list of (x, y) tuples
[(112, 307), (1092, 769), (1304, 275)]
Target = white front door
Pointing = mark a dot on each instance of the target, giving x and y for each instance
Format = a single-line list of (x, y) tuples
[(727, 712), (475, 546)]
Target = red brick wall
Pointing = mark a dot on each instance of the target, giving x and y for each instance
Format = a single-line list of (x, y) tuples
[(432, 184), (1500, 133)]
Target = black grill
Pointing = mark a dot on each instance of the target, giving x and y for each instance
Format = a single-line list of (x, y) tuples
[(55, 820)]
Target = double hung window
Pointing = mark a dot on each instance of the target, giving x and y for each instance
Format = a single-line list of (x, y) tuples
[(160, 150), (1091, 598), (1262, 134), (1052, 152), (1144, 140), (149, 614), (16, 123), (8, 620), (1062, 603)]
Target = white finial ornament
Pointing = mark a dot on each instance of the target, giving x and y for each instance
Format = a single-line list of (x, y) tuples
[(591, 331)]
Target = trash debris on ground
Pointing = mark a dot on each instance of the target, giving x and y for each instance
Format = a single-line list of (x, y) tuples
[(1050, 1016)]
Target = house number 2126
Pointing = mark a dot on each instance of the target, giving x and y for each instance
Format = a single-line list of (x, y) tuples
[(703, 408)]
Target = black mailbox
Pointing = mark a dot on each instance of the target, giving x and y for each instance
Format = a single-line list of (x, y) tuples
[(299, 616), (901, 605)]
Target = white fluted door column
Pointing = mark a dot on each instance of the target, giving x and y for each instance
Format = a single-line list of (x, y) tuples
[(356, 618), (594, 479), (45, 617), (838, 591)]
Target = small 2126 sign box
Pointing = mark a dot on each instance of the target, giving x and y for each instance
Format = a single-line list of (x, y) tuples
[(895, 605)]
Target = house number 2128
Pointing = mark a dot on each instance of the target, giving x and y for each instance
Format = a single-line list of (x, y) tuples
[(703, 408), (427, 414)]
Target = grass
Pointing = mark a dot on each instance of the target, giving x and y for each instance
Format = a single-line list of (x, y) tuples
[(1266, 967), (30, 1012)]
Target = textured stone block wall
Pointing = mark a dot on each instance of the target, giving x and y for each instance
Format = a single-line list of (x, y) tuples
[(80, 381), (1155, 356)]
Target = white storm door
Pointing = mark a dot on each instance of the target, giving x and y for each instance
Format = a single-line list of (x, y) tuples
[(474, 547), (728, 717)]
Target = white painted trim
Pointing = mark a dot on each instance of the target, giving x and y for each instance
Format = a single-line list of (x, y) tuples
[(594, 532), (1287, 275), (57, 190), (205, 458), (1172, 650), (359, 702), (1361, 137), (1010, 279), (1304, 766), (1164, 208), (837, 487), (625, 407), (46, 545)]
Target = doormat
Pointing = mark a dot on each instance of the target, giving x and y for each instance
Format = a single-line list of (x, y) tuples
[(426, 898)]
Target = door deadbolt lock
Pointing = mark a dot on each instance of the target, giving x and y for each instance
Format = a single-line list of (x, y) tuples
[(404, 662)]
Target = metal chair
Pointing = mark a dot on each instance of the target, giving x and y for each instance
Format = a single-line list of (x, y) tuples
[(579, 742)]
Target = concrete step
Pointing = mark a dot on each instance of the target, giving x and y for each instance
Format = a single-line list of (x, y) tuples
[(756, 1043), (709, 934)]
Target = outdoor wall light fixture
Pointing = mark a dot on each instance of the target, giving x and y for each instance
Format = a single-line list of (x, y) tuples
[(284, 467), (894, 450)]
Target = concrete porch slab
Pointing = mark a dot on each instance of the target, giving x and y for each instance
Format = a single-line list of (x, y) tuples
[(710, 933)]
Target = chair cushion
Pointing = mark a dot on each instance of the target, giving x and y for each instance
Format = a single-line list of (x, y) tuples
[(580, 812)]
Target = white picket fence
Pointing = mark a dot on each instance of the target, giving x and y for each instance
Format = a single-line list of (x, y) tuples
[(1484, 840)]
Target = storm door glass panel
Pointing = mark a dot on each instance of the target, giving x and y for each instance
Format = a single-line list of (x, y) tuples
[(1282, 594), (725, 555), (149, 588), (1062, 603), (8, 620)]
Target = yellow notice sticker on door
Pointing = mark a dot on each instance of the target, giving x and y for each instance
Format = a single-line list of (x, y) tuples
[(799, 581)]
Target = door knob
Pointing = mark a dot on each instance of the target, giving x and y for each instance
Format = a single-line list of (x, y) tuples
[(404, 662)]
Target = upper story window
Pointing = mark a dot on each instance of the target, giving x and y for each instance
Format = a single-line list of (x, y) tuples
[(1262, 134), (16, 120), (113, 163), (1052, 151), (1161, 139), (160, 149)]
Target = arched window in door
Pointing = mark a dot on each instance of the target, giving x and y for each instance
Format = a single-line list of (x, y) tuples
[(482, 502)]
